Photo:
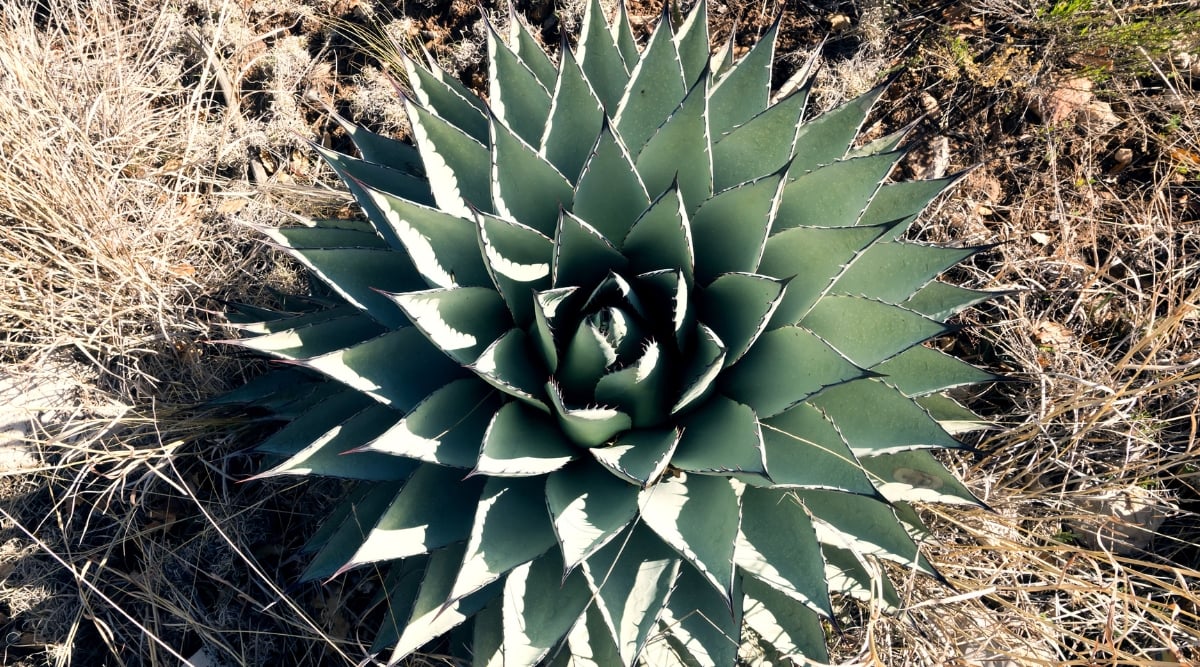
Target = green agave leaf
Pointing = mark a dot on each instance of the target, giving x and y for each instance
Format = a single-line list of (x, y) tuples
[(785, 366), (452, 160), (522, 442), (849, 574), (317, 334), (708, 358), (691, 42), (894, 271), (950, 415), (582, 255), (545, 309), (804, 450), (940, 300), (778, 547), (723, 437), (835, 194), (586, 356), (576, 116), (589, 426), (763, 145), (358, 275), (698, 516), (590, 643), (323, 237), (398, 368), (515, 94), (347, 527), (442, 247), (421, 518), (460, 321), (445, 428), (516, 256), (901, 202), (661, 238), (701, 627), (432, 616), (600, 59), (852, 325), (731, 229), (589, 507), (510, 366), (656, 87), (327, 414), (829, 136), (397, 596), (632, 578), (921, 370), (637, 389), (275, 390), (528, 51), (791, 631), (894, 422), (865, 525), (744, 92), (916, 476), (640, 456), (330, 453), (355, 172), (438, 73), (511, 527), (540, 607), (668, 291), (738, 306), (381, 150), (678, 152), (885, 144), (487, 639), (524, 185), (815, 256), (610, 195), (623, 36), (435, 92)]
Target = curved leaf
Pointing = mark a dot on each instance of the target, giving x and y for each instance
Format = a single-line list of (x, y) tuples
[(522, 442)]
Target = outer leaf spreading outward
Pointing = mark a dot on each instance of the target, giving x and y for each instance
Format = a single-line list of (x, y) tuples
[(626, 353)]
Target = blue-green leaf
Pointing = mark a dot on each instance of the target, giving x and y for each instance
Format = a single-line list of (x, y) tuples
[(610, 195), (639, 457), (662, 237), (730, 230), (830, 136), (540, 606), (678, 151), (894, 422), (804, 450), (785, 366), (588, 426), (691, 41), (698, 516), (852, 324), (702, 627), (656, 87), (398, 368), (917, 476), (445, 428), (435, 92), (835, 194), (342, 534), (511, 527), (600, 60), (761, 146), (708, 358), (511, 366), (745, 91), (576, 118), (921, 370), (632, 578), (518, 259), (522, 442), (582, 255), (778, 546), (422, 517), (590, 507), (525, 186), (738, 306), (460, 321), (777, 621), (724, 437), (432, 616), (452, 160), (515, 94)]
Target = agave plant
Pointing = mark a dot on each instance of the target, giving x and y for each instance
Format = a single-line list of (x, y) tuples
[(626, 362)]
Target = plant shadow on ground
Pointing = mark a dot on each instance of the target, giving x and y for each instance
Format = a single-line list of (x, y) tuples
[(137, 539)]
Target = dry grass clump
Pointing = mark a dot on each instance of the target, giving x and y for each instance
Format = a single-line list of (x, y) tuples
[(134, 133)]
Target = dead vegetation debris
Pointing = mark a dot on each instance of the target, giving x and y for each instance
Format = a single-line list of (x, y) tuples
[(136, 136)]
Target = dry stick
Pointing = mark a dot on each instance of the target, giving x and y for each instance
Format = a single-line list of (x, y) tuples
[(258, 572), (92, 587)]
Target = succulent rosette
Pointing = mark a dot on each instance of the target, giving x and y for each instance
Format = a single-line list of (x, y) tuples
[(628, 356)]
